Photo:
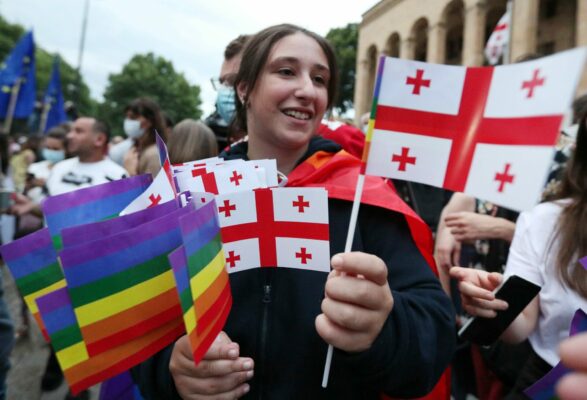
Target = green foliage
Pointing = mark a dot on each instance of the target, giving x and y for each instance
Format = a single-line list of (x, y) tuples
[(344, 40), (153, 77)]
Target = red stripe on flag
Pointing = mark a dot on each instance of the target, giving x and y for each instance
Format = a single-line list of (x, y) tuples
[(201, 344), (126, 335), (209, 180), (208, 317), (118, 360)]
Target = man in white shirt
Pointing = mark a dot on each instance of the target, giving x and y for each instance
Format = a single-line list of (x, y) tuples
[(88, 141)]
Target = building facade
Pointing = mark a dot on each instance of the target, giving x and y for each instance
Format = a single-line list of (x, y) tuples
[(455, 32)]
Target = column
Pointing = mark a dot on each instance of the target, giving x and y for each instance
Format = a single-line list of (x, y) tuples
[(361, 87), (436, 51), (524, 28), (407, 48), (474, 33)]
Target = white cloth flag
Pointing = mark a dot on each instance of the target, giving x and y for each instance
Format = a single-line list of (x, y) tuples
[(158, 192), (283, 227), (487, 131), (498, 40)]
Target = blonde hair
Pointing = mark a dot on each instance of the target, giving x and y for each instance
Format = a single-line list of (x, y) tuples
[(191, 140)]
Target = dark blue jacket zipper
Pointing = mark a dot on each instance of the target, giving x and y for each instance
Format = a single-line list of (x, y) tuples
[(263, 338)]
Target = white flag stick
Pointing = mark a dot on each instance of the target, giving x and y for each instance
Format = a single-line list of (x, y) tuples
[(347, 248)]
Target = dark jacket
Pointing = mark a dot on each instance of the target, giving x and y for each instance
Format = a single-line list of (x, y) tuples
[(273, 313)]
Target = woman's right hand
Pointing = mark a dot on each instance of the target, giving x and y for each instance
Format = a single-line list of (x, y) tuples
[(222, 374), (476, 287)]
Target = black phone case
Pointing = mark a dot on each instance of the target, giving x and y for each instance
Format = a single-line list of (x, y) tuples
[(518, 293)]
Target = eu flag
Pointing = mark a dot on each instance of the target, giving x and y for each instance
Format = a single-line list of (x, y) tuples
[(53, 110), (19, 68)]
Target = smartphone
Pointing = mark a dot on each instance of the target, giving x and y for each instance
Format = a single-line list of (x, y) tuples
[(518, 293)]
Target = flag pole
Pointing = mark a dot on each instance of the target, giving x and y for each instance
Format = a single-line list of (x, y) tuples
[(347, 248), (12, 105), (44, 117), (506, 50)]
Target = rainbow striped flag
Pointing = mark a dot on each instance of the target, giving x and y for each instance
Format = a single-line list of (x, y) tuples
[(201, 278), (79, 234), (79, 368), (91, 204), (126, 289), (32, 261)]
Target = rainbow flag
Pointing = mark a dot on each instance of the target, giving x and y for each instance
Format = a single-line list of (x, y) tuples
[(90, 204), (201, 278), (79, 234), (126, 289), (79, 368), (32, 261)]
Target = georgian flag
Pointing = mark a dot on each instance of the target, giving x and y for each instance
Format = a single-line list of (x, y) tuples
[(233, 177), (283, 227), (159, 191), (498, 40), (196, 164), (486, 131)]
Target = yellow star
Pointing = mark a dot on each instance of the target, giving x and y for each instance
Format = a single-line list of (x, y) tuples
[(6, 89)]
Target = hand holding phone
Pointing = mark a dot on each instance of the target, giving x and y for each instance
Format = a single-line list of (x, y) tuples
[(518, 293)]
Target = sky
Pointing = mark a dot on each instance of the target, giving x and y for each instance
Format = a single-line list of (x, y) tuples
[(191, 34)]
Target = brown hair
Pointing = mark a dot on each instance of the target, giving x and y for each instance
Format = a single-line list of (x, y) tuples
[(571, 225), (255, 57), (191, 140), (236, 46), (150, 110)]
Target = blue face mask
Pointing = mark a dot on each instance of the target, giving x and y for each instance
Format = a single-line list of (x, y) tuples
[(225, 103), (53, 156)]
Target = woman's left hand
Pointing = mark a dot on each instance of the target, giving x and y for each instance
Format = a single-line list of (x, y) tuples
[(357, 303)]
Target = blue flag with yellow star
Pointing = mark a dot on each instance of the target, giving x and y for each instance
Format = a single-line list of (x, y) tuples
[(19, 67), (53, 100)]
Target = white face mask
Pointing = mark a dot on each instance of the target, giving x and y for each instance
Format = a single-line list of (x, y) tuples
[(132, 128)]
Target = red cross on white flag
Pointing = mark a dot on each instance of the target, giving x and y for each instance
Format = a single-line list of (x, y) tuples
[(498, 40), (469, 123), (159, 191), (285, 227), (223, 179)]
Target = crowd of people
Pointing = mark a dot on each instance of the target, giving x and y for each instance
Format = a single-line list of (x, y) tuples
[(388, 316)]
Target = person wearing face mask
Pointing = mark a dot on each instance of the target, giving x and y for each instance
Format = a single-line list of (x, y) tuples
[(220, 120), (143, 118)]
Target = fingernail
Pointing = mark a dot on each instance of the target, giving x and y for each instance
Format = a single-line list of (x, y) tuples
[(336, 260), (246, 389), (232, 353), (249, 374), (247, 365)]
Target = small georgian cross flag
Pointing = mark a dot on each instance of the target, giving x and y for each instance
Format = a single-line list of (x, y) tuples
[(278, 227)]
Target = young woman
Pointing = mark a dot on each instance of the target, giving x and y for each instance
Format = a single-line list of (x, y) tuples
[(143, 118), (382, 308), (547, 243)]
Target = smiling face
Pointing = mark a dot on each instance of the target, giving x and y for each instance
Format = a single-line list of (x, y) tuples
[(290, 96)]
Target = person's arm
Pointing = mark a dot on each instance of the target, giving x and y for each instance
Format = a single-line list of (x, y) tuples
[(416, 340), (468, 226), (447, 249), (477, 286)]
